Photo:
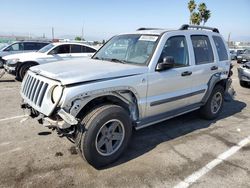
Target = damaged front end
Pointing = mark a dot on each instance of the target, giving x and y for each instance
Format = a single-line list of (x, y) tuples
[(62, 122)]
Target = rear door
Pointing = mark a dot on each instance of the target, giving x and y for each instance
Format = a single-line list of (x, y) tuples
[(205, 64)]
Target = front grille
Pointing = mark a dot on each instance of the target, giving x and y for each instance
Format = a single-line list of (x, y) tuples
[(34, 90)]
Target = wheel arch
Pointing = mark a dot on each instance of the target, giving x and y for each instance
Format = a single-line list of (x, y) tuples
[(213, 82), (124, 98)]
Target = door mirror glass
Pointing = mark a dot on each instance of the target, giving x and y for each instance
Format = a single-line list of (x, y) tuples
[(168, 62)]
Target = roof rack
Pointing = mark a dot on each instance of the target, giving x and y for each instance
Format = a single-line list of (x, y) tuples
[(147, 28), (186, 27)]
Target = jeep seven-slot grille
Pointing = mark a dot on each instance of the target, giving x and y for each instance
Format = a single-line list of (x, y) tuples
[(34, 90)]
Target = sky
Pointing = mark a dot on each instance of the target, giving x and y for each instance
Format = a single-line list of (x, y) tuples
[(101, 19)]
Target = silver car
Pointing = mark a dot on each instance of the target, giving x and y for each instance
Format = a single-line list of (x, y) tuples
[(20, 47), (244, 74)]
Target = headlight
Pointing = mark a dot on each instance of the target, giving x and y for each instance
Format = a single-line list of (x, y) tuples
[(56, 94), (12, 62)]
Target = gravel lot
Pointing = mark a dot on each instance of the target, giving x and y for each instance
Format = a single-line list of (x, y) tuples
[(162, 155)]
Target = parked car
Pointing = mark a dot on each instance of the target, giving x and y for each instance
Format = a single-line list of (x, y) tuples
[(244, 57), (233, 54), (20, 47), (133, 81), (18, 64), (244, 74)]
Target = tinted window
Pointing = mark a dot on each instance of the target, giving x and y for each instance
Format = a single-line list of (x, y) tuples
[(30, 46), (63, 49), (221, 49), (176, 47), (76, 48), (89, 50), (41, 45), (202, 49)]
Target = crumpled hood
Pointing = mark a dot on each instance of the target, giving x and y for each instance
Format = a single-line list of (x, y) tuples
[(24, 56), (85, 70)]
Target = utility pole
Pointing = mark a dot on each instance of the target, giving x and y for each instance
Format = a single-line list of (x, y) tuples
[(52, 33), (82, 31), (228, 39)]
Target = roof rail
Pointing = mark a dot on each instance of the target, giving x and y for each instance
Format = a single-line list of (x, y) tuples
[(186, 27), (147, 28)]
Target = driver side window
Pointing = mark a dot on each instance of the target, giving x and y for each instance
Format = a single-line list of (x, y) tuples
[(176, 47)]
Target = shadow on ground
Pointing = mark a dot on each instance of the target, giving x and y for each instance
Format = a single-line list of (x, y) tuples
[(148, 138)]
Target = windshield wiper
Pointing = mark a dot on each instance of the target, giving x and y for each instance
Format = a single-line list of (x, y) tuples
[(118, 60)]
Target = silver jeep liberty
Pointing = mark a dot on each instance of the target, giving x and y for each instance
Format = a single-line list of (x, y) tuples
[(133, 81)]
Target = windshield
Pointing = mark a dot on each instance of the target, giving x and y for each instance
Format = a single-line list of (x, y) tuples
[(46, 48), (130, 49)]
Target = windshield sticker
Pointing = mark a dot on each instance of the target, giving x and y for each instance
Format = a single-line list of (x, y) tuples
[(148, 38)]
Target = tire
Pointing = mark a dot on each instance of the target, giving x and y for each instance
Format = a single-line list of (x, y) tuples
[(97, 142), (23, 70), (243, 83), (212, 108)]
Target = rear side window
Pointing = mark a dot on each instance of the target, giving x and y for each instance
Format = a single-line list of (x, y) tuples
[(88, 49), (221, 49), (30, 46), (76, 48), (202, 49)]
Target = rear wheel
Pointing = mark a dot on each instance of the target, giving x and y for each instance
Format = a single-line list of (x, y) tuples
[(105, 136), (214, 104)]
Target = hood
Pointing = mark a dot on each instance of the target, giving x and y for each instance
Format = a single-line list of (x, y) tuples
[(86, 70), (24, 56)]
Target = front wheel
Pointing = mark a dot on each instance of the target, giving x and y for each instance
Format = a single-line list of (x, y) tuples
[(106, 134), (214, 104), (23, 70), (243, 83)]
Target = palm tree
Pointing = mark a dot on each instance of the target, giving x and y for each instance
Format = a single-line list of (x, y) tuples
[(206, 16), (191, 7), (196, 18)]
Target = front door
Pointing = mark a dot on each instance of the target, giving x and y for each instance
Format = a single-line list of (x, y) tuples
[(172, 88)]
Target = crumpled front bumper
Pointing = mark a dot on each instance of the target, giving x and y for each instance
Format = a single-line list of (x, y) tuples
[(62, 120)]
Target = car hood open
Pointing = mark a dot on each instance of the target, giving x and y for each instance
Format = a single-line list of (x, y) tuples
[(86, 70)]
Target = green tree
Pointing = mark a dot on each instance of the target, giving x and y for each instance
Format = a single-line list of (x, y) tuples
[(200, 16), (78, 38), (206, 16), (191, 7), (204, 12), (196, 18)]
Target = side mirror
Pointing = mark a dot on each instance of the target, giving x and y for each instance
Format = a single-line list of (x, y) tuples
[(168, 62)]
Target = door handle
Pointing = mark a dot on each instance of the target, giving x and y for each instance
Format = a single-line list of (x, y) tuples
[(214, 68), (186, 73)]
